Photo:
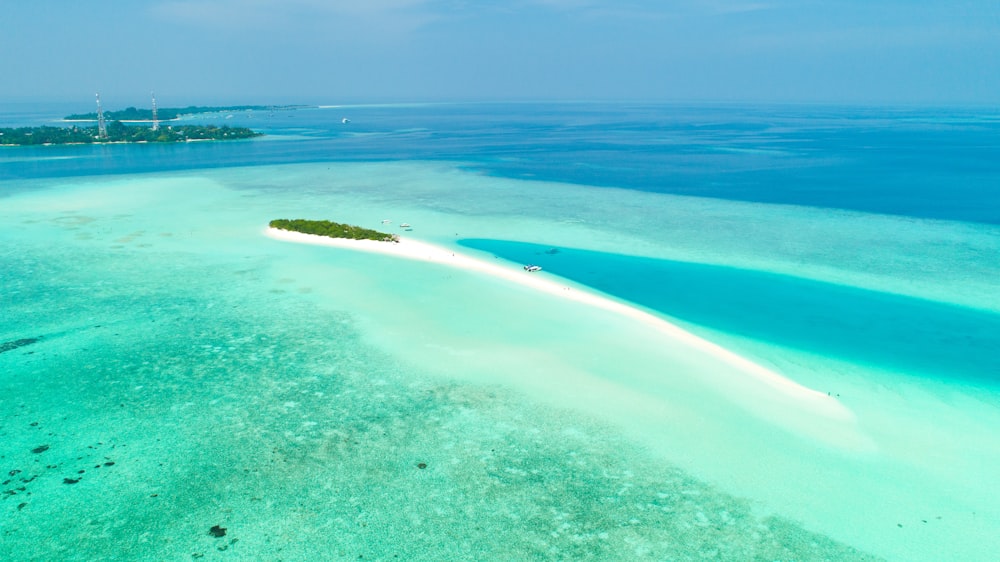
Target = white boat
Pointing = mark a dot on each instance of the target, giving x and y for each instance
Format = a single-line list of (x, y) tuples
[(386, 221), (345, 120), (404, 225), (532, 268)]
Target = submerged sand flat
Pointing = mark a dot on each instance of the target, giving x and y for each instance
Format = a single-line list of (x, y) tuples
[(815, 410), (314, 399), (712, 414)]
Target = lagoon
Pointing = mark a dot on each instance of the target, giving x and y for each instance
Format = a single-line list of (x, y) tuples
[(291, 393)]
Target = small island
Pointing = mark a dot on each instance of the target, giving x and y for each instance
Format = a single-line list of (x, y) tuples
[(332, 230), (118, 132)]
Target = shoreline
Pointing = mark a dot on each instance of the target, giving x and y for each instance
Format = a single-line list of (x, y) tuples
[(817, 403)]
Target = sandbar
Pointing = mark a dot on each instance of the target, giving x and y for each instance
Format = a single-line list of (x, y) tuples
[(820, 404)]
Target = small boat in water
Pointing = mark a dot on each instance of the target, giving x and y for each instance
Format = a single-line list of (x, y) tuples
[(404, 225), (532, 268)]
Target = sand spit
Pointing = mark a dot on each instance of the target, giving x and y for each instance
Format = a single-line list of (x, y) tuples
[(818, 414)]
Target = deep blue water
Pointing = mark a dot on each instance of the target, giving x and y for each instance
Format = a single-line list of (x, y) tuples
[(942, 164), (867, 327)]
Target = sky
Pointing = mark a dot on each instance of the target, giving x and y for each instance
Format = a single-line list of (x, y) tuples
[(907, 52)]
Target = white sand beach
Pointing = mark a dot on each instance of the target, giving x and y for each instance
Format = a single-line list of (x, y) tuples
[(820, 406)]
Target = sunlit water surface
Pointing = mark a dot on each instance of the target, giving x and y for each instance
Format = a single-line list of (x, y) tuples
[(167, 369)]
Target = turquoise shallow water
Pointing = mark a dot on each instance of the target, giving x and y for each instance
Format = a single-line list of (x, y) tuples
[(177, 383), (165, 368), (885, 330)]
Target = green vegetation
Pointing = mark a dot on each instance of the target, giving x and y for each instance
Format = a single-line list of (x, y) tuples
[(120, 132), (47, 135), (168, 113), (333, 230)]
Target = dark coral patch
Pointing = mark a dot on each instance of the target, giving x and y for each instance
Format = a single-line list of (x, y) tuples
[(12, 345)]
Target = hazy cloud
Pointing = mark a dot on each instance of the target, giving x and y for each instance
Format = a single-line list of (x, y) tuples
[(412, 14), (650, 9), (390, 14), (453, 49), (738, 7)]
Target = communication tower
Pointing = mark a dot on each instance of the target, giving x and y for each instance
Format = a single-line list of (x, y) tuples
[(102, 128), (156, 122)]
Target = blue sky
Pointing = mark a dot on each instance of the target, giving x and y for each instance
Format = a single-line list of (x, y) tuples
[(334, 51)]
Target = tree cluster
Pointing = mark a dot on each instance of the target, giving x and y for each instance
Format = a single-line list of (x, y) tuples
[(120, 132), (332, 230), (47, 135)]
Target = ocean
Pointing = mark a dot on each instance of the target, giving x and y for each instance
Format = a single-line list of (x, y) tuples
[(166, 369)]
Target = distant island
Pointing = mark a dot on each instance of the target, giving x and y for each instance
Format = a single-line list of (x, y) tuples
[(119, 132), (332, 230), (171, 113)]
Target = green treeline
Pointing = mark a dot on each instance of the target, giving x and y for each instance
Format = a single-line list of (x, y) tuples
[(332, 229), (47, 135), (168, 113), (120, 132)]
